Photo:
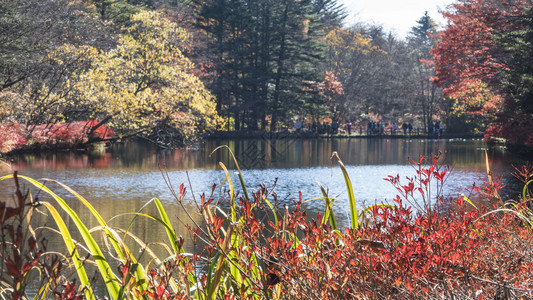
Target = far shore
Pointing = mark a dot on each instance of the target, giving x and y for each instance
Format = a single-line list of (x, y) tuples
[(357, 135)]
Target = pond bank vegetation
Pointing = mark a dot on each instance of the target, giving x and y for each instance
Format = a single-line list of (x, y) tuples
[(248, 246), (19, 137), (86, 135)]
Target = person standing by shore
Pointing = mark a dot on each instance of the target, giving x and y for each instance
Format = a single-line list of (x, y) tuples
[(298, 126)]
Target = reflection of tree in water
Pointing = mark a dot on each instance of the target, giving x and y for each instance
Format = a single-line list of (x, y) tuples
[(261, 153), (271, 152), (62, 160)]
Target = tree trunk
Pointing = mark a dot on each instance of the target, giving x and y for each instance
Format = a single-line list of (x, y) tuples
[(280, 68)]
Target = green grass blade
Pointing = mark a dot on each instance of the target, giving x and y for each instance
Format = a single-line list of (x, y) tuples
[(109, 278), (146, 249), (211, 272), (487, 167), (351, 198), (238, 169), (272, 209), (228, 178), (71, 246), (225, 247), (232, 193), (165, 221), (232, 255), (234, 238), (520, 215), (120, 248), (168, 226), (469, 201), (491, 179), (329, 209), (524, 191), (90, 207)]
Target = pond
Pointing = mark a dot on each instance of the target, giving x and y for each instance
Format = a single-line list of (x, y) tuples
[(121, 179)]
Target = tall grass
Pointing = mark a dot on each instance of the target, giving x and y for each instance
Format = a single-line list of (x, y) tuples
[(521, 208)]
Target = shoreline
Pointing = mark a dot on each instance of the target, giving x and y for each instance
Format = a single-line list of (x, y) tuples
[(242, 135)]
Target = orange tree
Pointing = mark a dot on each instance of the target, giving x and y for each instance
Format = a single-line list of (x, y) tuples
[(480, 60)]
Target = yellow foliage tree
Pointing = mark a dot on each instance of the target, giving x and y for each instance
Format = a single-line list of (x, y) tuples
[(144, 83), (343, 45), (352, 56)]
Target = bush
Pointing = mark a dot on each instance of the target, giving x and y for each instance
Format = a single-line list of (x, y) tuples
[(12, 136), (16, 136)]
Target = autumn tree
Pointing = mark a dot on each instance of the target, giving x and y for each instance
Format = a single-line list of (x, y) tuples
[(480, 62), (323, 97), (29, 29), (67, 61), (349, 55), (375, 70), (467, 60), (142, 86), (29, 77)]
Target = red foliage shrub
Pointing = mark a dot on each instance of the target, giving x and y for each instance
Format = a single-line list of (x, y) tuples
[(69, 134), (515, 133), (12, 136), (405, 255), (398, 253), (16, 136)]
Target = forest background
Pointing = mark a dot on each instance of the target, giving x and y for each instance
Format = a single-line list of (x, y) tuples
[(74, 72)]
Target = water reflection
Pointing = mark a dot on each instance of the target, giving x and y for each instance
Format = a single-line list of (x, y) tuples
[(134, 167), (261, 154)]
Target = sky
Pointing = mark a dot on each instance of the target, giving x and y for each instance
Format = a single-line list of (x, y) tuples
[(395, 15)]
